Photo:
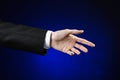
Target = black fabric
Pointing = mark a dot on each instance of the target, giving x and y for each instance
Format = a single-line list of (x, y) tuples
[(22, 37)]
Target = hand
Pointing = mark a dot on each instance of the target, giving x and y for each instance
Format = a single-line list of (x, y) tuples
[(65, 41)]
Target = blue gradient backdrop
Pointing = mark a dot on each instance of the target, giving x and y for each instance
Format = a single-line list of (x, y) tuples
[(56, 15)]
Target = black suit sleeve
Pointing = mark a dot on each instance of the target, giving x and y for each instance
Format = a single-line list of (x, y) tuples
[(22, 37)]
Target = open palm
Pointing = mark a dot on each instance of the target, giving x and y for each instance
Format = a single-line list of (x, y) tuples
[(65, 41)]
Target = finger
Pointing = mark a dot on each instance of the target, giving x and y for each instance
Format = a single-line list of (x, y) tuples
[(84, 41), (70, 53), (82, 48), (75, 51), (75, 31)]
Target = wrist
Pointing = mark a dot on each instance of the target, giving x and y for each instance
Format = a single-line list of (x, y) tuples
[(52, 39)]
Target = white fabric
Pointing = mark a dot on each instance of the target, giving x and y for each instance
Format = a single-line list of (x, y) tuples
[(47, 39)]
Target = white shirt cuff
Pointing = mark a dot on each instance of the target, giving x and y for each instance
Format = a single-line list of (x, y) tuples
[(47, 39)]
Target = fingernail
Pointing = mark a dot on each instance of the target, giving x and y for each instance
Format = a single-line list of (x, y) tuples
[(82, 30), (86, 51), (78, 54), (93, 45)]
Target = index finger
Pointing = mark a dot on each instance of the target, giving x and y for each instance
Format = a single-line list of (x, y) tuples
[(86, 42), (83, 41)]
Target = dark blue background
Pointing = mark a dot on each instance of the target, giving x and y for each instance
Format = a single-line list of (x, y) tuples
[(95, 17)]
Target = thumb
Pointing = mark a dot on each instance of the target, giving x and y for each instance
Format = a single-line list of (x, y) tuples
[(75, 31)]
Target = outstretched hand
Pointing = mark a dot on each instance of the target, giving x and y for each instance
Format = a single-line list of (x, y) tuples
[(65, 41)]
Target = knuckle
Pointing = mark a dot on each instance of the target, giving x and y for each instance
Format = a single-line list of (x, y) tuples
[(67, 29)]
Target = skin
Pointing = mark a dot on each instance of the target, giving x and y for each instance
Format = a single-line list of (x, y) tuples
[(66, 42)]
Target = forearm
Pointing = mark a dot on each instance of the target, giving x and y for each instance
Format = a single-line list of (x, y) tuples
[(22, 37)]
